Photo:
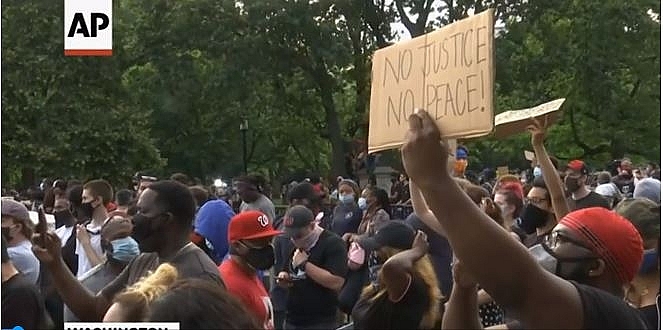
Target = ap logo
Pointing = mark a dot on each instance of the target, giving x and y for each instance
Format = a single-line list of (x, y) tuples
[(88, 27)]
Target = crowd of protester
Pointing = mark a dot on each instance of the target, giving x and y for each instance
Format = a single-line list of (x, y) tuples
[(557, 247)]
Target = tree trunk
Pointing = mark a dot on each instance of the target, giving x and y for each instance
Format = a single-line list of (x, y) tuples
[(27, 177), (334, 131), (326, 92)]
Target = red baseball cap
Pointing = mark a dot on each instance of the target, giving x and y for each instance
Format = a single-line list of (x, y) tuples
[(250, 225), (611, 237), (578, 166)]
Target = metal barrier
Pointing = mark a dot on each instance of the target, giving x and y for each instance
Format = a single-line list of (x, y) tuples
[(401, 211), (398, 211)]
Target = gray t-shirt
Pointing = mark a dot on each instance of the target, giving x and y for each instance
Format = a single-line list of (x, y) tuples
[(25, 261), (262, 204), (190, 262), (94, 280)]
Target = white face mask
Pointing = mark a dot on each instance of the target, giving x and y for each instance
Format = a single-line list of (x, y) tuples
[(537, 171), (362, 203)]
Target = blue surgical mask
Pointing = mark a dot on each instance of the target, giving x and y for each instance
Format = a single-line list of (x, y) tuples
[(347, 198), (124, 249), (362, 203), (649, 262)]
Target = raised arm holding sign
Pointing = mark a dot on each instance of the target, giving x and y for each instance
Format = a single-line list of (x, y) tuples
[(516, 121)]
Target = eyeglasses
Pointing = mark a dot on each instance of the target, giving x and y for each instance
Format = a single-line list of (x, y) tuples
[(555, 239)]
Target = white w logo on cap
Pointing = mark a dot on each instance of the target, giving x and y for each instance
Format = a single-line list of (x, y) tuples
[(263, 220)]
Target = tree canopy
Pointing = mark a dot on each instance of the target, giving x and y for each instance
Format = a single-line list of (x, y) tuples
[(185, 74)]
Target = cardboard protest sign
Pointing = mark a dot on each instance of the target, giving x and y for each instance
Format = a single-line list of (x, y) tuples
[(516, 121), (448, 72)]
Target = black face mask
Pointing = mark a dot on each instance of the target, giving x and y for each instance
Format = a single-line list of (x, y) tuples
[(144, 228), (532, 217), (86, 211), (260, 259), (64, 218), (571, 184), (572, 269)]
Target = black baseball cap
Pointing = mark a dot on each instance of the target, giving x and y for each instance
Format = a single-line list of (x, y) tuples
[(297, 218), (395, 234), (303, 190)]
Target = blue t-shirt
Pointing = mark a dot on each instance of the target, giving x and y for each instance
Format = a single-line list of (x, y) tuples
[(346, 218)]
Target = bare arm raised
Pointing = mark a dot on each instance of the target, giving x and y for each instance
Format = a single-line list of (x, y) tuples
[(47, 248), (500, 264), (548, 170), (422, 211)]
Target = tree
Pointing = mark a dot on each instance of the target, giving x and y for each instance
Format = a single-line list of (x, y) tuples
[(603, 57), (64, 116)]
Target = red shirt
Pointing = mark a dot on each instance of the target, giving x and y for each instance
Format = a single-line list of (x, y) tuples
[(250, 291)]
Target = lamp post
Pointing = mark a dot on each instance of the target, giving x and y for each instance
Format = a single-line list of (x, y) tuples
[(243, 127)]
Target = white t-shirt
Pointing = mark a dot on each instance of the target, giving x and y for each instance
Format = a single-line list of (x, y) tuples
[(24, 260), (64, 233), (607, 190), (84, 264)]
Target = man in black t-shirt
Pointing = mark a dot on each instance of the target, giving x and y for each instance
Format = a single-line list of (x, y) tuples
[(575, 183), (22, 304), (624, 179), (300, 194), (314, 273)]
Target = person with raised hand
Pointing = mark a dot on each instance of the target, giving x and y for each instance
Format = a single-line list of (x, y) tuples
[(403, 292), (553, 182), (119, 249), (573, 281), (162, 228)]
